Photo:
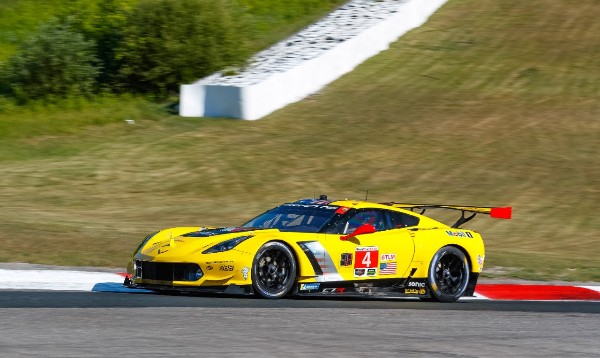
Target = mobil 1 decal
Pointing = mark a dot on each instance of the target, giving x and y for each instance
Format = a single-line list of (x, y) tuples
[(366, 261)]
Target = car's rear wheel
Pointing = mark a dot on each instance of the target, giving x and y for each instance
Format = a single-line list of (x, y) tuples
[(273, 270), (448, 274)]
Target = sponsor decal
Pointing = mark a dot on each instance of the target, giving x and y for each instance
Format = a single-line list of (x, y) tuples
[(226, 268), (320, 202), (359, 272), (309, 286), (346, 259), (367, 248), (334, 290), (388, 257), (459, 233), (416, 284), (245, 271), (371, 272), (209, 267), (388, 268), (342, 210), (366, 257), (311, 206), (414, 291), (480, 260)]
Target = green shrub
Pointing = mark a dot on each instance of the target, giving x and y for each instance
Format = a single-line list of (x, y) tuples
[(167, 43), (102, 22), (56, 62)]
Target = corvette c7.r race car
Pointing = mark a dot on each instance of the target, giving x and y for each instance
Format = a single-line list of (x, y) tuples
[(320, 247)]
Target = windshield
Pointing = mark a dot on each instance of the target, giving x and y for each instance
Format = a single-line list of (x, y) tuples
[(294, 217)]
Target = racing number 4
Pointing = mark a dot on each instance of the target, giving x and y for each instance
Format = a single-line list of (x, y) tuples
[(367, 257)]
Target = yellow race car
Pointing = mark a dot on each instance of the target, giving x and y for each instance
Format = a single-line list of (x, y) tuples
[(320, 247)]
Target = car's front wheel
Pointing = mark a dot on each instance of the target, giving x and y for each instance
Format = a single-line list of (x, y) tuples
[(273, 270), (448, 274)]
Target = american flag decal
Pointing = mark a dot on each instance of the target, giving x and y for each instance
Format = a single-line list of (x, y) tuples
[(388, 268)]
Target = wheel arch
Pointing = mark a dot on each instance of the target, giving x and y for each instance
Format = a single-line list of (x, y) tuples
[(292, 249), (303, 265), (467, 255), (295, 249), (473, 275)]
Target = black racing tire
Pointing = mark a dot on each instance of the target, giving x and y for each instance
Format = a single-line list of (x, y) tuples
[(448, 274), (273, 270)]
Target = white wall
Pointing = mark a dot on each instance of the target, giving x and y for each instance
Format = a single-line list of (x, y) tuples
[(211, 97)]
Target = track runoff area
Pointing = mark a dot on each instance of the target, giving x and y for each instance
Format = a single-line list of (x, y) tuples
[(73, 280)]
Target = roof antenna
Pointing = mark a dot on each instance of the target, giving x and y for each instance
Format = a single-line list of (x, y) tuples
[(367, 195)]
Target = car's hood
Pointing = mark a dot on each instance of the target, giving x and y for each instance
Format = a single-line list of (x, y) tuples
[(195, 242)]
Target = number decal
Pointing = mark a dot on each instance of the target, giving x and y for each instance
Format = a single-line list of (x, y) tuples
[(226, 268), (367, 259), (366, 263)]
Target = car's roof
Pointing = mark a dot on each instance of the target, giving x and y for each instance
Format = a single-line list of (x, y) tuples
[(357, 204), (354, 204)]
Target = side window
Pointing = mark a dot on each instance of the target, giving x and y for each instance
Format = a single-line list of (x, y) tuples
[(400, 220), (371, 217)]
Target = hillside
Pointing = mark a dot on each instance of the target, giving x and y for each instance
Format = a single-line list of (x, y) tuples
[(490, 103)]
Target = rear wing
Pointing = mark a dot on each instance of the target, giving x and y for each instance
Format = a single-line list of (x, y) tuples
[(494, 212)]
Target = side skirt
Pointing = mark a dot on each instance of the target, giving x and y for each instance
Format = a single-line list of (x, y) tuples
[(407, 287)]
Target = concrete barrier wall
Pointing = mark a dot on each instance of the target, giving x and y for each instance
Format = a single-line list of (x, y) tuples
[(215, 97)]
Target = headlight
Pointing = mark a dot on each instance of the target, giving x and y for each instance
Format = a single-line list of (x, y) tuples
[(226, 245)]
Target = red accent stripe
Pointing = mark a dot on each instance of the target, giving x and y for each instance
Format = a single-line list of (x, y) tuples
[(536, 292)]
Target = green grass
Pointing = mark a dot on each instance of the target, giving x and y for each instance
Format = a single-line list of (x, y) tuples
[(489, 103)]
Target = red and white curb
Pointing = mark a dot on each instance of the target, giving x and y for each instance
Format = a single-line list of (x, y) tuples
[(537, 292), (67, 280)]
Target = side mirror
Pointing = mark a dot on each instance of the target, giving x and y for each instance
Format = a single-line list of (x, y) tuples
[(363, 229)]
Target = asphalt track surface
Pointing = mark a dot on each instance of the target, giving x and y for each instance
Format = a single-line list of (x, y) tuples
[(106, 324)]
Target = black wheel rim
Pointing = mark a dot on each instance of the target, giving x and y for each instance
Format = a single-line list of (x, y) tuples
[(450, 274), (273, 270)]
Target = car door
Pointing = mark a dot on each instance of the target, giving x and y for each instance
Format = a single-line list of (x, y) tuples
[(385, 253)]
